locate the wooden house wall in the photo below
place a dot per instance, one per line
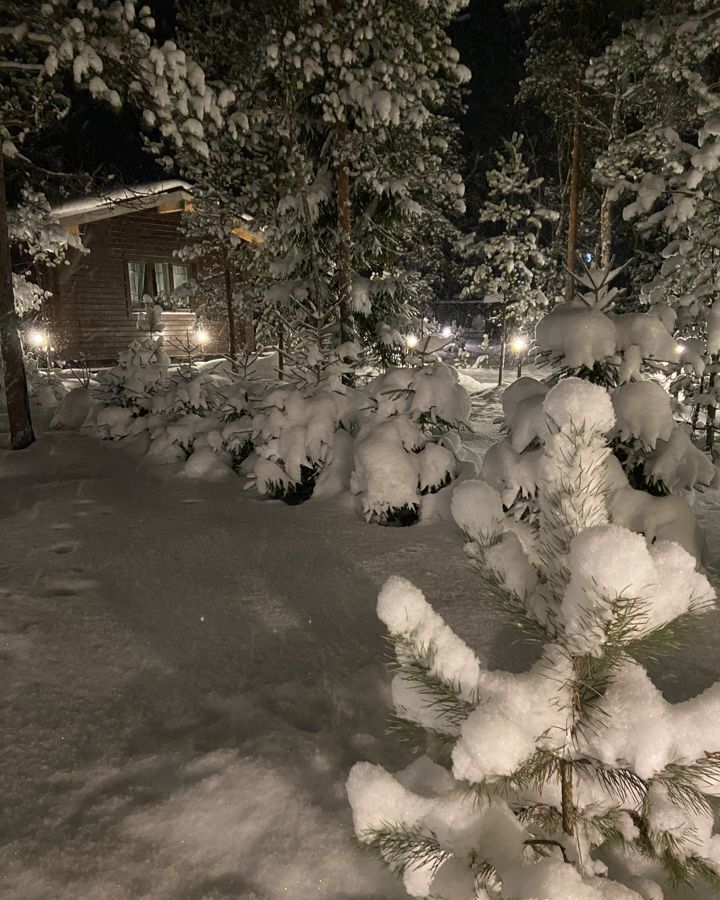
(91, 315)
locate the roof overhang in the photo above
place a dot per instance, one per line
(164, 196)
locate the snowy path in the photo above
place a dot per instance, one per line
(188, 673)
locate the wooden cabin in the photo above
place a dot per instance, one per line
(99, 302)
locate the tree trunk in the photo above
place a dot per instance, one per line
(574, 204)
(710, 423)
(503, 345)
(606, 203)
(605, 230)
(344, 237)
(281, 352)
(16, 393)
(232, 337)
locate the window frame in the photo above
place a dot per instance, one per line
(149, 262)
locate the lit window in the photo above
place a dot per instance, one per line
(161, 281)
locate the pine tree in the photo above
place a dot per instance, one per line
(664, 168)
(344, 151)
(507, 254)
(539, 772)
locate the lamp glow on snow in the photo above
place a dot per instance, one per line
(679, 349)
(447, 331)
(412, 340)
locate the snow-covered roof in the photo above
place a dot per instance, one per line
(123, 200)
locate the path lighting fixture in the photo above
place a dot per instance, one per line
(203, 336)
(447, 331)
(412, 340)
(38, 338)
(519, 344)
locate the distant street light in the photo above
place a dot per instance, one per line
(519, 345)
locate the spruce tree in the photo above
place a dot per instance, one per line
(506, 255)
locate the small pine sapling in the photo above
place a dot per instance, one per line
(544, 777)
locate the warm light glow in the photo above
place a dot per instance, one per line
(203, 336)
(38, 339)
(412, 340)
(519, 344)
(447, 331)
(679, 349)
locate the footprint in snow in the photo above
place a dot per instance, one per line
(67, 587)
(64, 548)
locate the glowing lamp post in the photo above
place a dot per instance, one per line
(40, 340)
(411, 341)
(447, 332)
(202, 336)
(519, 345)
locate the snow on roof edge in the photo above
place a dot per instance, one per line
(138, 196)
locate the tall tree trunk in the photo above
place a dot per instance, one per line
(344, 237)
(232, 337)
(18, 402)
(344, 257)
(281, 352)
(710, 413)
(503, 344)
(605, 229)
(574, 204)
(606, 203)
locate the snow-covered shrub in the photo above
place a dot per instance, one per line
(539, 775)
(44, 385)
(141, 373)
(399, 457)
(586, 338)
(652, 453)
(294, 434)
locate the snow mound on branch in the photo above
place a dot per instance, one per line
(432, 392)
(550, 878)
(575, 403)
(478, 510)
(646, 332)
(529, 424)
(207, 465)
(678, 464)
(514, 394)
(403, 609)
(643, 412)
(512, 716)
(73, 410)
(656, 518)
(378, 798)
(609, 562)
(577, 336)
(511, 473)
(641, 730)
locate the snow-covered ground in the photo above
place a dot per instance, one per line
(189, 671)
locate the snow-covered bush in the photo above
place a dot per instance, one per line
(542, 777)
(587, 338)
(294, 433)
(141, 373)
(651, 453)
(45, 387)
(398, 456)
